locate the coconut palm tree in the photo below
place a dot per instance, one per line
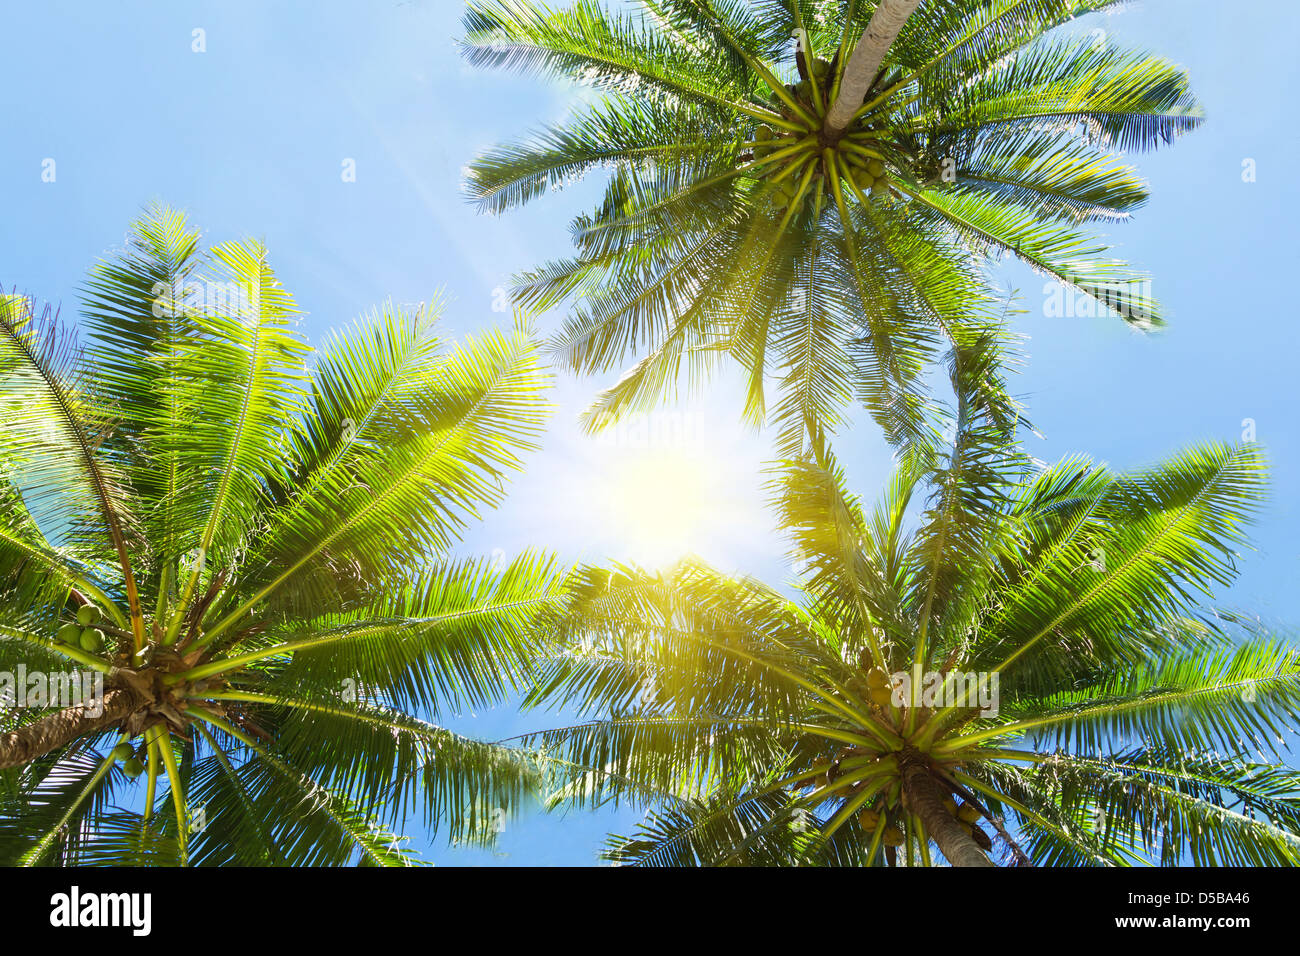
(1001, 660)
(249, 541)
(744, 215)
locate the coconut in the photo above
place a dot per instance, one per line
(68, 634)
(881, 696)
(880, 189)
(821, 68)
(92, 639)
(122, 751)
(876, 677)
(88, 614)
(763, 133)
(893, 835)
(863, 180)
(876, 167)
(133, 767)
(967, 813)
(869, 819)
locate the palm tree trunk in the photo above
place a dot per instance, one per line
(864, 63)
(27, 743)
(925, 799)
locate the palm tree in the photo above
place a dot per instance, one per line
(1020, 660)
(253, 553)
(742, 216)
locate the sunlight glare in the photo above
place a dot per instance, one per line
(662, 504)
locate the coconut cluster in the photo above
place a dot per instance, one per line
(869, 176)
(874, 686)
(796, 161)
(131, 759)
(83, 633)
(968, 816)
(871, 819)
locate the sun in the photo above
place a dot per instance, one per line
(661, 504)
(649, 490)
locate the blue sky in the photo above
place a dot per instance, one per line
(251, 137)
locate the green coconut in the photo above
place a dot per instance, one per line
(88, 614)
(764, 133)
(92, 639)
(876, 167)
(122, 751)
(133, 767)
(821, 68)
(68, 634)
(880, 189)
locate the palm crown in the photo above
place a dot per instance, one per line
(739, 219)
(1025, 650)
(256, 554)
